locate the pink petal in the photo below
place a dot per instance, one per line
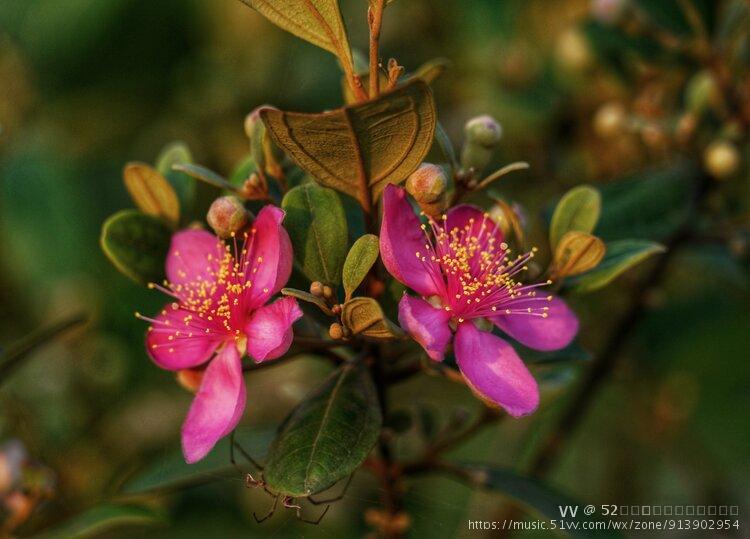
(194, 255)
(177, 340)
(401, 238)
(271, 256)
(494, 371)
(269, 330)
(551, 333)
(426, 324)
(218, 406)
(473, 219)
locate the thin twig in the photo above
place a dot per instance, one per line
(375, 20)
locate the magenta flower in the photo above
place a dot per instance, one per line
(464, 273)
(219, 312)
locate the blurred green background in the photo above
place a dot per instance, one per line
(87, 85)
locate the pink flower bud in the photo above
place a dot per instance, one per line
(483, 130)
(427, 184)
(226, 215)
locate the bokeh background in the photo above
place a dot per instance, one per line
(87, 85)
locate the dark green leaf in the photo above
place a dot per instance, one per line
(136, 244)
(174, 154)
(316, 223)
(668, 14)
(14, 355)
(308, 297)
(621, 256)
(651, 205)
(172, 472)
(105, 517)
(360, 259)
(327, 436)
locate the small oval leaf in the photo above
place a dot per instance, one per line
(308, 297)
(205, 175)
(363, 316)
(577, 210)
(360, 259)
(327, 436)
(136, 244)
(151, 192)
(317, 226)
(360, 149)
(577, 252)
(621, 256)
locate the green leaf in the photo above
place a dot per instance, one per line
(621, 256)
(360, 149)
(649, 205)
(327, 436)
(173, 473)
(308, 297)
(136, 244)
(105, 517)
(577, 210)
(12, 357)
(430, 70)
(205, 175)
(540, 498)
(364, 316)
(151, 192)
(316, 21)
(174, 154)
(360, 259)
(316, 223)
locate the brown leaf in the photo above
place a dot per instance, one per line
(151, 192)
(360, 149)
(577, 252)
(363, 316)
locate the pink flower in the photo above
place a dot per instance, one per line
(219, 312)
(464, 273)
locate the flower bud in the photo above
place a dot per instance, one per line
(427, 184)
(336, 331)
(475, 157)
(226, 215)
(252, 120)
(327, 292)
(316, 289)
(721, 159)
(607, 11)
(610, 120)
(483, 130)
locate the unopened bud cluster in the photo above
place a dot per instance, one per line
(483, 134)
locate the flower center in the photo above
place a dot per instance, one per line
(478, 271)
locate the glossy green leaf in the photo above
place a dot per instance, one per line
(136, 244)
(364, 316)
(359, 149)
(12, 357)
(151, 192)
(172, 472)
(174, 154)
(204, 174)
(650, 205)
(316, 21)
(317, 226)
(106, 517)
(621, 256)
(578, 210)
(533, 494)
(360, 259)
(327, 436)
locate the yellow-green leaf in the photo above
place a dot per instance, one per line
(576, 253)
(363, 316)
(360, 259)
(577, 210)
(151, 192)
(316, 21)
(360, 149)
